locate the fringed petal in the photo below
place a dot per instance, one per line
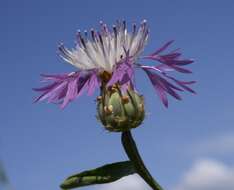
(123, 75)
(170, 61)
(165, 46)
(94, 82)
(162, 86)
(182, 84)
(65, 88)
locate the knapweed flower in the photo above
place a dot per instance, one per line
(107, 59)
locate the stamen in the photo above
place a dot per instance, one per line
(64, 51)
(86, 35)
(105, 29)
(79, 38)
(143, 25)
(115, 30)
(83, 42)
(124, 24)
(103, 49)
(93, 34)
(134, 28)
(144, 22)
(118, 25)
(102, 45)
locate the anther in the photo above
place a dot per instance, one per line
(93, 34)
(115, 30)
(124, 24)
(134, 28)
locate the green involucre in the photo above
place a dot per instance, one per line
(120, 112)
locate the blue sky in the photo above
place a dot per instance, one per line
(41, 144)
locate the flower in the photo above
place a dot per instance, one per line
(109, 57)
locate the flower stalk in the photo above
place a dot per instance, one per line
(134, 156)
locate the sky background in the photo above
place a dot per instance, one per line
(189, 146)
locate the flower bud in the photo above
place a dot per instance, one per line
(120, 112)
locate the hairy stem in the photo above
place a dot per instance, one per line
(134, 156)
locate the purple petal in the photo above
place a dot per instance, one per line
(71, 92)
(93, 83)
(183, 62)
(162, 48)
(164, 81)
(168, 87)
(183, 84)
(187, 88)
(164, 68)
(54, 77)
(180, 69)
(52, 98)
(171, 55)
(89, 82)
(62, 94)
(46, 88)
(122, 74)
(158, 87)
(162, 86)
(52, 91)
(171, 92)
(125, 78)
(66, 87)
(162, 95)
(188, 82)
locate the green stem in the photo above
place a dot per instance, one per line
(133, 154)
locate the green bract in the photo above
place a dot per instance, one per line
(120, 112)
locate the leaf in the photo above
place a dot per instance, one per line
(104, 174)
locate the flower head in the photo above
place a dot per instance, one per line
(109, 57)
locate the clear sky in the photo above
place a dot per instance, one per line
(41, 144)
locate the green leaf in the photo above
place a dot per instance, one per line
(105, 174)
